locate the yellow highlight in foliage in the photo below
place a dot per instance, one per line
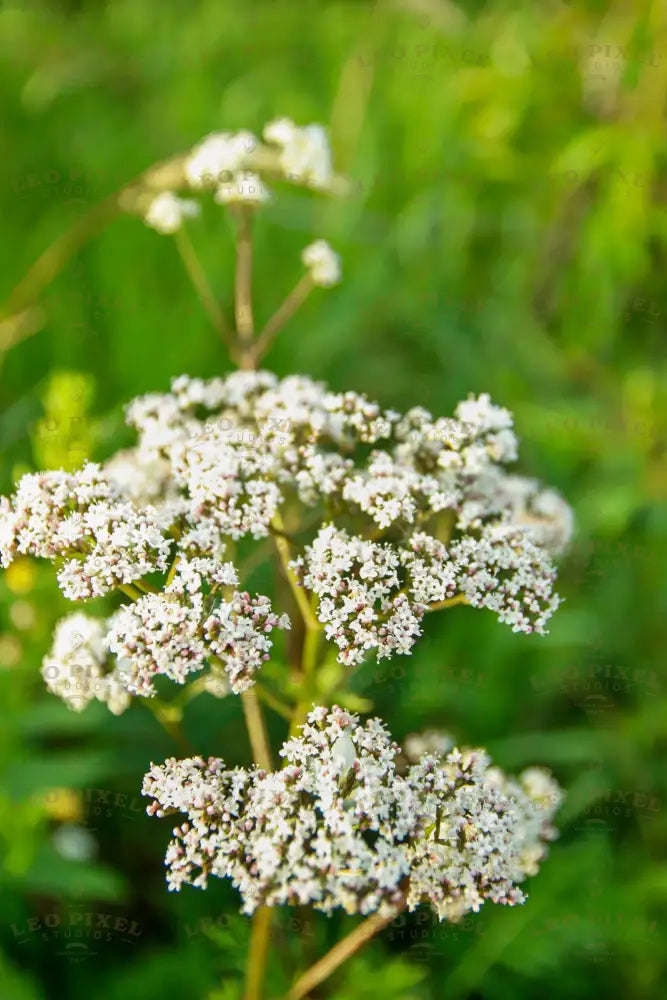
(20, 576)
(63, 804)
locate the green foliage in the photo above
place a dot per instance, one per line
(508, 235)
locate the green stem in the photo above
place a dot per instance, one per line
(449, 603)
(259, 742)
(360, 936)
(201, 285)
(260, 936)
(172, 571)
(311, 641)
(169, 717)
(282, 315)
(270, 699)
(245, 326)
(298, 592)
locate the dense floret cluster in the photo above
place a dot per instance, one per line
(338, 826)
(437, 519)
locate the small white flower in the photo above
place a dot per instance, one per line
(323, 263)
(166, 212)
(217, 156)
(305, 155)
(77, 669)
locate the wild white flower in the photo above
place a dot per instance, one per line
(541, 512)
(220, 458)
(244, 188)
(480, 413)
(77, 668)
(358, 586)
(339, 827)
(431, 741)
(102, 540)
(217, 157)
(179, 631)
(505, 571)
(166, 212)
(305, 156)
(323, 263)
(142, 477)
(484, 834)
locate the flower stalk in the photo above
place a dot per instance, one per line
(340, 953)
(245, 325)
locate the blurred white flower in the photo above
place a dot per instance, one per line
(217, 157)
(74, 842)
(166, 212)
(323, 263)
(305, 156)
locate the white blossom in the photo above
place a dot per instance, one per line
(431, 741)
(436, 517)
(305, 156)
(166, 212)
(322, 263)
(339, 827)
(218, 156)
(179, 631)
(358, 586)
(77, 668)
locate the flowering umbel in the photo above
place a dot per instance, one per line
(338, 826)
(220, 459)
(377, 518)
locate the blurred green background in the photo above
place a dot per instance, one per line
(508, 234)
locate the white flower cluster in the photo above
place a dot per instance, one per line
(166, 212)
(337, 826)
(430, 514)
(322, 263)
(431, 741)
(305, 157)
(231, 165)
(373, 595)
(217, 155)
(82, 521)
(484, 832)
(360, 603)
(175, 633)
(77, 668)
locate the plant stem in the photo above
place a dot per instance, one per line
(311, 625)
(261, 920)
(172, 571)
(308, 662)
(282, 546)
(130, 591)
(201, 285)
(450, 603)
(245, 326)
(270, 699)
(254, 719)
(258, 953)
(339, 954)
(281, 316)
